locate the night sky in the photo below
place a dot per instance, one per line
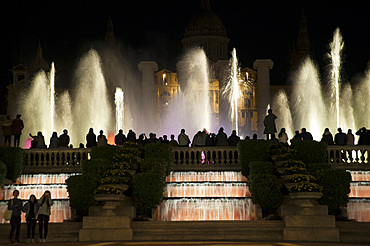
(152, 30)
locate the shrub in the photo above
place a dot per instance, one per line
(109, 189)
(266, 191)
(81, 193)
(280, 149)
(148, 190)
(292, 163)
(313, 168)
(3, 171)
(298, 178)
(160, 152)
(14, 159)
(310, 151)
(103, 152)
(295, 170)
(252, 150)
(95, 169)
(261, 167)
(154, 165)
(305, 187)
(287, 156)
(336, 186)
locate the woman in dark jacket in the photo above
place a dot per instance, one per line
(15, 205)
(31, 208)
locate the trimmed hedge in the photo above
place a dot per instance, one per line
(81, 193)
(313, 168)
(261, 167)
(148, 186)
(148, 190)
(14, 159)
(252, 150)
(310, 151)
(266, 191)
(103, 152)
(160, 151)
(94, 169)
(3, 171)
(336, 187)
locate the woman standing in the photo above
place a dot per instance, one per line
(31, 208)
(15, 205)
(43, 217)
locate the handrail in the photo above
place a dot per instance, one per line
(213, 158)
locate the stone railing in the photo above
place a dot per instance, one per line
(186, 158)
(205, 158)
(64, 160)
(354, 157)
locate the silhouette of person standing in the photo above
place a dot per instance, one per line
(17, 126)
(269, 123)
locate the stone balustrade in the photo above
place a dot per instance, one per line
(62, 160)
(187, 158)
(206, 158)
(355, 157)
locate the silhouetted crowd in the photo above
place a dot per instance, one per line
(201, 138)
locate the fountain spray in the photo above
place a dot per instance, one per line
(232, 90)
(119, 102)
(52, 96)
(336, 47)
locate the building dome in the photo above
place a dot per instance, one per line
(205, 23)
(206, 30)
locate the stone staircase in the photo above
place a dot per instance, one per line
(354, 232)
(207, 230)
(58, 232)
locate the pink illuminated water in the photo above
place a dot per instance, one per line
(37, 184)
(60, 211)
(206, 209)
(192, 196)
(207, 190)
(224, 176)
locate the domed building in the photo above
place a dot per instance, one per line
(205, 30)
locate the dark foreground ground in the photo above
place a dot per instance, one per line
(225, 243)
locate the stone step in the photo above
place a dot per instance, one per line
(209, 230)
(354, 232)
(207, 224)
(58, 232)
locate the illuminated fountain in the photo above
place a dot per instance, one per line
(315, 106)
(37, 184)
(90, 106)
(232, 90)
(120, 108)
(191, 109)
(206, 196)
(358, 206)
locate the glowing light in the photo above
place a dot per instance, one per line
(52, 97)
(336, 49)
(232, 90)
(120, 108)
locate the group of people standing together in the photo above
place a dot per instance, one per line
(35, 210)
(201, 138)
(12, 128)
(340, 137)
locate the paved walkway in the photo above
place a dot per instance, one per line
(225, 243)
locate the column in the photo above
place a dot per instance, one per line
(263, 67)
(148, 103)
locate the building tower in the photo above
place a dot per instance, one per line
(109, 35)
(302, 49)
